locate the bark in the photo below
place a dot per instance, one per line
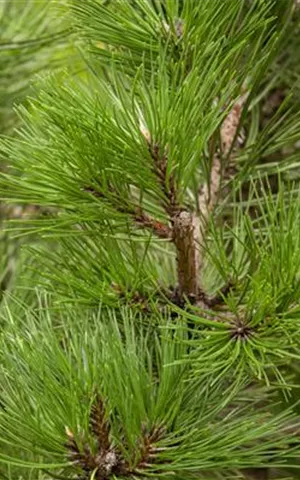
(185, 230)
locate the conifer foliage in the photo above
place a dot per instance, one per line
(165, 338)
(32, 41)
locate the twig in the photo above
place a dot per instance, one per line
(148, 449)
(99, 425)
(141, 218)
(160, 229)
(160, 163)
(107, 460)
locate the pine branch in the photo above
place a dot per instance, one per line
(156, 369)
(148, 449)
(160, 169)
(189, 229)
(185, 228)
(99, 425)
(85, 458)
(108, 460)
(138, 216)
(182, 221)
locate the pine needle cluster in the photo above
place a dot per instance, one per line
(165, 333)
(33, 41)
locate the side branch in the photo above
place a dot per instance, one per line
(159, 229)
(160, 161)
(140, 218)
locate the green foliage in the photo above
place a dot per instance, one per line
(29, 44)
(87, 137)
(34, 40)
(169, 126)
(76, 359)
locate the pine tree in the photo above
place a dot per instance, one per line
(165, 338)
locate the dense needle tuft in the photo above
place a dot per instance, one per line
(154, 329)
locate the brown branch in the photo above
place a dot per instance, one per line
(189, 229)
(107, 460)
(160, 162)
(99, 425)
(148, 449)
(160, 229)
(141, 218)
(184, 224)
